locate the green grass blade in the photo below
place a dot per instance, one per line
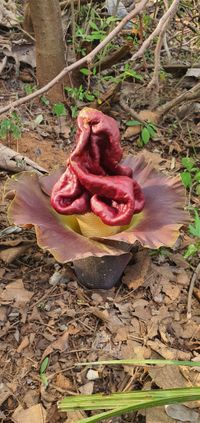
(133, 362)
(125, 399)
(178, 396)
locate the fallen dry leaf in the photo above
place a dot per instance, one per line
(168, 352)
(63, 382)
(157, 415)
(16, 293)
(87, 389)
(10, 250)
(5, 392)
(168, 377)
(60, 344)
(182, 413)
(34, 414)
(135, 273)
(75, 416)
(24, 344)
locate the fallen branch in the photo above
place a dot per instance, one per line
(87, 59)
(167, 15)
(189, 95)
(14, 162)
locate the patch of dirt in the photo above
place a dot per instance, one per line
(45, 152)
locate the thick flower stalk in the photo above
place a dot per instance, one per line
(99, 204)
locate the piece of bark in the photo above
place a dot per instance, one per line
(14, 162)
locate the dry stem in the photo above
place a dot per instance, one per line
(189, 95)
(167, 15)
(192, 283)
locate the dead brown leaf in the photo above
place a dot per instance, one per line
(34, 414)
(5, 392)
(157, 415)
(168, 377)
(24, 344)
(12, 249)
(135, 274)
(75, 416)
(168, 352)
(61, 344)
(16, 293)
(63, 382)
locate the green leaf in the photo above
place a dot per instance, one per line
(186, 179)
(152, 130)
(85, 71)
(191, 250)
(197, 176)
(16, 131)
(94, 26)
(74, 110)
(134, 74)
(188, 163)
(145, 135)
(59, 109)
(197, 189)
(133, 123)
(44, 100)
(44, 365)
(194, 229)
(89, 97)
(124, 402)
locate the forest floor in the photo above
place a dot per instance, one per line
(44, 312)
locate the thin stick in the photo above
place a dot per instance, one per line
(87, 59)
(167, 15)
(190, 292)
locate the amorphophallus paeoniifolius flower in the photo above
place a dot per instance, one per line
(93, 211)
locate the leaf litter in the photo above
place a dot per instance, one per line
(44, 313)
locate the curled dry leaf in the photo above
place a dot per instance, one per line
(16, 293)
(135, 274)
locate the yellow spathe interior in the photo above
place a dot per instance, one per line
(90, 225)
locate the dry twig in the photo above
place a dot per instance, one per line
(154, 83)
(189, 95)
(167, 15)
(190, 292)
(87, 59)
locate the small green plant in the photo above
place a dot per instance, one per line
(194, 230)
(191, 174)
(80, 94)
(126, 73)
(11, 127)
(44, 100)
(148, 131)
(29, 88)
(59, 109)
(43, 368)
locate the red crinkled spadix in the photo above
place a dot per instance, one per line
(94, 180)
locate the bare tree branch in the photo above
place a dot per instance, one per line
(87, 59)
(154, 83)
(14, 162)
(189, 95)
(167, 15)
